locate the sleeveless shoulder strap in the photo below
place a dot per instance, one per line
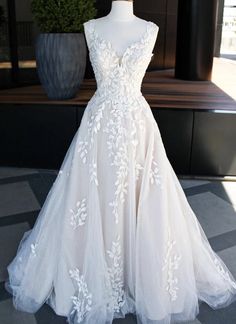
(88, 31)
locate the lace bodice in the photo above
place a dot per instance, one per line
(115, 74)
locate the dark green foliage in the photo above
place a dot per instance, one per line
(62, 16)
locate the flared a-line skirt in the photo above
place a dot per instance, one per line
(116, 233)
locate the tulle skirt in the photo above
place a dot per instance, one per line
(116, 234)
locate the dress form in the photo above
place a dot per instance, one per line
(121, 27)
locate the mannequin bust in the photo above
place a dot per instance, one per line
(120, 27)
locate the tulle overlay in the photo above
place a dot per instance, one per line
(116, 234)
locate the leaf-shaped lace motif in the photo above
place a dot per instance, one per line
(136, 44)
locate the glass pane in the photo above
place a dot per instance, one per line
(5, 62)
(228, 43)
(27, 32)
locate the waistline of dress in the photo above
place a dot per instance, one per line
(122, 94)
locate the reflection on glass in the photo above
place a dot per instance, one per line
(5, 63)
(228, 44)
(26, 33)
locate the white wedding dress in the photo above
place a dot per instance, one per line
(116, 233)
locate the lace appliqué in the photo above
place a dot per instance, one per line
(94, 122)
(223, 272)
(118, 89)
(138, 168)
(33, 249)
(117, 144)
(115, 277)
(82, 301)
(93, 172)
(61, 173)
(83, 150)
(171, 263)
(120, 142)
(154, 174)
(79, 214)
(94, 125)
(137, 52)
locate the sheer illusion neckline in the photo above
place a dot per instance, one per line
(133, 44)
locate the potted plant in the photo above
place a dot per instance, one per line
(60, 48)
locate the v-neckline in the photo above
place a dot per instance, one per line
(120, 58)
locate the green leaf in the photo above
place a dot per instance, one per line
(62, 16)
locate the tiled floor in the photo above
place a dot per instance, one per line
(23, 192)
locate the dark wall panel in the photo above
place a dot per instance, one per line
(176, 132)
(164, 14)
(170, 34)
(35, 136)
(197, 143)
(214, 145)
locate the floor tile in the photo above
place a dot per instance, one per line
(229, 257)
(223, 241)
(9, 315)
(17, 198)
(230, 188)
(194, 322)
(10, 237)
(185, 183)
(215, 214)
(129, 319)
(6, 172)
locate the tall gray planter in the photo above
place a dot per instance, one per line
(61, 61)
